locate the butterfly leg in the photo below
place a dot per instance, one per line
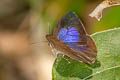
(63, 56)
(53, 50)
(54, 53)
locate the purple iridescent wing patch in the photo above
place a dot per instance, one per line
(70, 36)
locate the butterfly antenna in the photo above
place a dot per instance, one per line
(38, 42)
(48, 28)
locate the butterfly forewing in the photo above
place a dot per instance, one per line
(71, 39)
(70, 20)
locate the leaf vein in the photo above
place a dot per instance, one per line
(101, 71)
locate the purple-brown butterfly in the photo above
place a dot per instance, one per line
(70, 38)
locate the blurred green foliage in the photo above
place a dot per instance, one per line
(52, 10)
(111, 19)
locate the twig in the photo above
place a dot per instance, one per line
(97, 13)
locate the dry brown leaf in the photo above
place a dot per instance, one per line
(97, 13)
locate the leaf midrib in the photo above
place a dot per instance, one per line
(98, 72)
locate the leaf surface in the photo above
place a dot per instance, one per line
(106, 67)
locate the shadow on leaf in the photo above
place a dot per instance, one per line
(67, 67)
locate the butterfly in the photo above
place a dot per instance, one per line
(70, 38)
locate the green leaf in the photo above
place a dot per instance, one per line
(106, 67)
